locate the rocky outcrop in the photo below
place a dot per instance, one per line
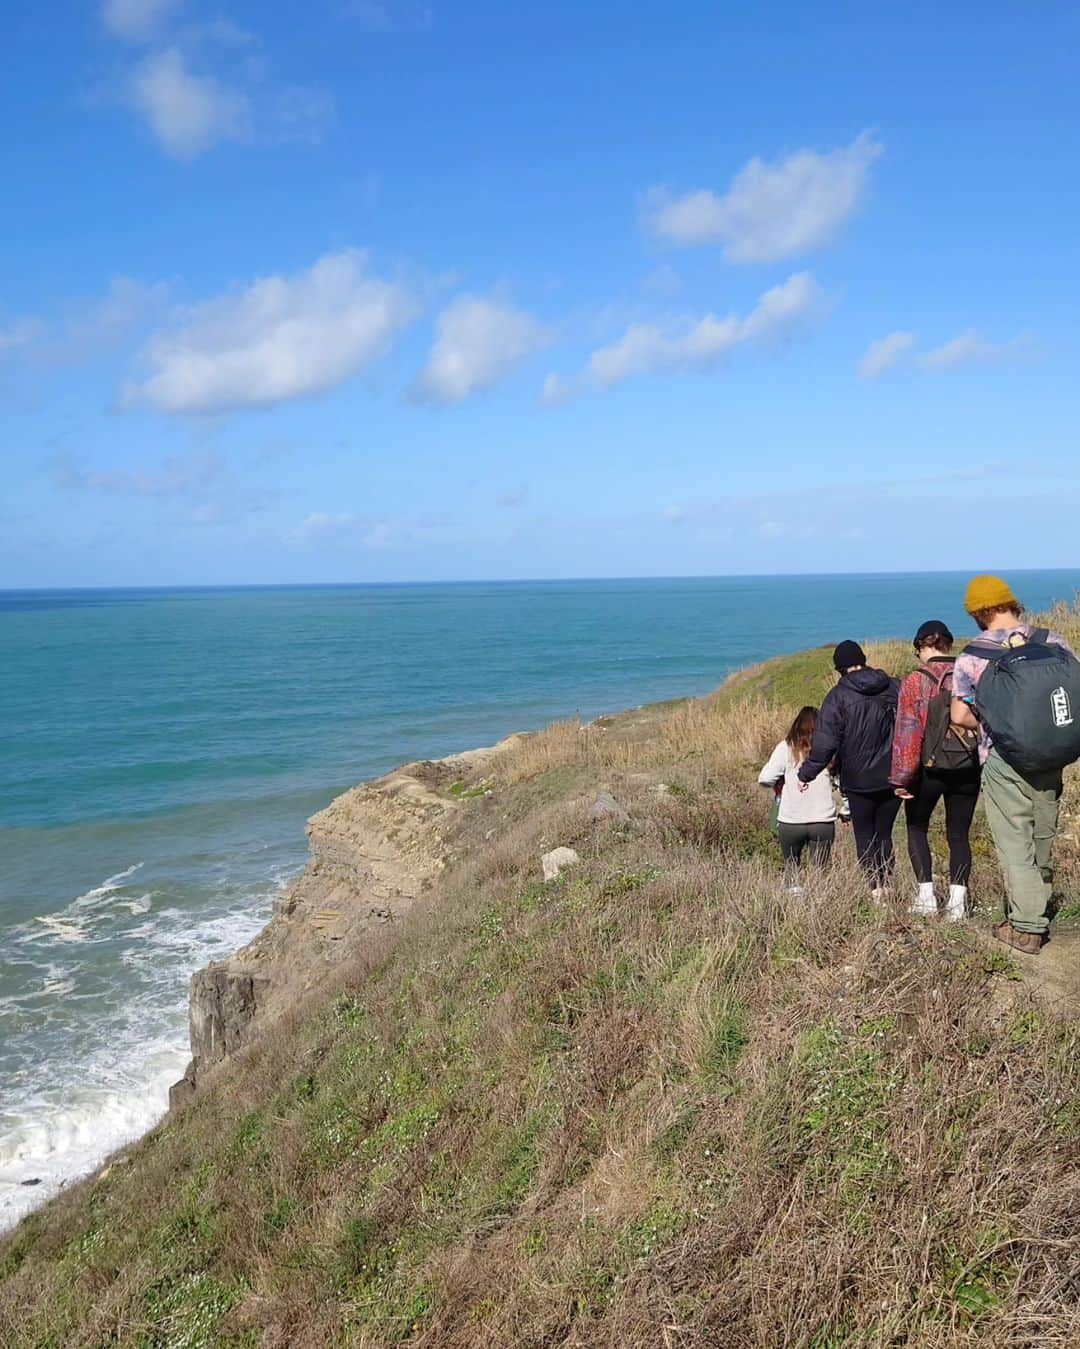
(374, 851)
(605, 807)
(554, 863)
(223, 1001)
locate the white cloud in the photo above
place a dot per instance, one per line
(298, 113)
(662, 283)
(282, 337)
(196, 487)
(967, 348)
(183, 475)
(187, 113)
(103, 323)
(782, 514)
(136, 20)
(477, 343)
(970, 347)
(385, 534)
(20, 334)
(321, 524)
(557, 390)
(885, 352)
(404, 533)
(696, 345)
(344, 528)
(771, 210)
(207, 82)
(90, 327)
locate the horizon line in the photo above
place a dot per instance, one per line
(517, 580)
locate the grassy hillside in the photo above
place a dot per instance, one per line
(654, 1102)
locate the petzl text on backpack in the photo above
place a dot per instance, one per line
(1029, 700)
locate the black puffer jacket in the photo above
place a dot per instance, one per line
(855, 727)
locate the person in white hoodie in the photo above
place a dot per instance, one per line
(807, 814)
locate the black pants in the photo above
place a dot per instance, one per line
(960, 792)
(873, 815)
(815, 840)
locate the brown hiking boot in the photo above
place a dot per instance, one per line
(1028, 942)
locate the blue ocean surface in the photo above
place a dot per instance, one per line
(160, 751)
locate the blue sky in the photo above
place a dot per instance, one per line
(381, 290)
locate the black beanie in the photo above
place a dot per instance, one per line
(931, 629)
(848, 654)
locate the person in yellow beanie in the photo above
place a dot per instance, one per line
(988, 596)
(1021, 808)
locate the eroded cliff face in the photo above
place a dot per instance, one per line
(374, 851)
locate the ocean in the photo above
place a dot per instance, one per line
(160, 751)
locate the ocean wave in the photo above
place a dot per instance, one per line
(64, 929)
(106, 888)
(90, 1064)
(49, 1141)
(89, 917)
(57, 987)
(140, 904)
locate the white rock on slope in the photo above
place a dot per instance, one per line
(553, 862)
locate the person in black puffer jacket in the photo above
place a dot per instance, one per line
(855, 730)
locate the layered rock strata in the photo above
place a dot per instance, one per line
(374, 851)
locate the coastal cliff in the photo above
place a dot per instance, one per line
(539, 1051)
(375, 851)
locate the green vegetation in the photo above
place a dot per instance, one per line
(464, 791)
(654, 1102)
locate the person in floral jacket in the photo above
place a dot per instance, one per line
(921, 787)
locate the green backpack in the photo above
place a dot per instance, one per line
(1028, 697)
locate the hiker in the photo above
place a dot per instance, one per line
(806, 820)
(934, 760)
(1019, 687)
(855, 728)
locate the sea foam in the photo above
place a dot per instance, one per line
(62, 1115)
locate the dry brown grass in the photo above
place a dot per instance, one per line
(656, 1103)
(563, 742)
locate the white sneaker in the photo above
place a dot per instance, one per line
(956, 908)
(925, 902)
(796, 892)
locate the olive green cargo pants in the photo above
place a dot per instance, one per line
(1023, 817)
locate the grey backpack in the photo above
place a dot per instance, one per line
(1029, 699)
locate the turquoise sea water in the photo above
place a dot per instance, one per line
(161, 750)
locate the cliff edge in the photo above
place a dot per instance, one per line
(375, 851)
(650, 1100)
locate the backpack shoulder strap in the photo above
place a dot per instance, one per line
(995, 651)
(991, 651)
(938, 680)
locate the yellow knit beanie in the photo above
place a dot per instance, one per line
(988, 592)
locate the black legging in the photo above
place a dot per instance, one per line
(815, 840)
(873, 815)
(961, 793)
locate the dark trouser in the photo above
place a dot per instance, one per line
(873, 815)
(960, 792)
(815, 840)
